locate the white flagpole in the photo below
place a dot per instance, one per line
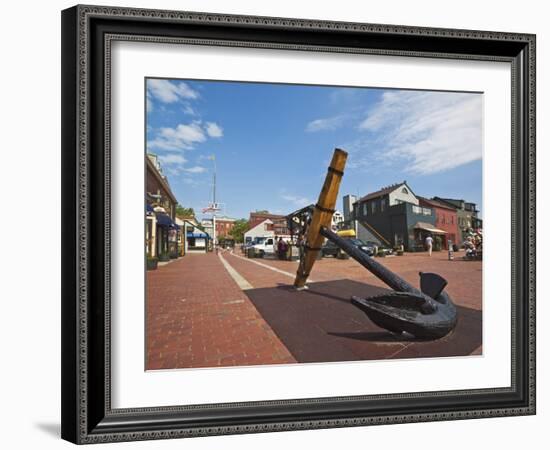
(213, 157)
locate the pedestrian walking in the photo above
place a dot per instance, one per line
(429, 244)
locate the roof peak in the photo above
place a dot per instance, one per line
(383, 191)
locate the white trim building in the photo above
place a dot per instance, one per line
(263, 229)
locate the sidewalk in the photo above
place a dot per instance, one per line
(197, 316)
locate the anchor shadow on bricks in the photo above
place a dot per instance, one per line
(321, 325)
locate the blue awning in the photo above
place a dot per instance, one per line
(164, 220)
(197, 235)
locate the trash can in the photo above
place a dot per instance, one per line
(250, 252)
(293, 253)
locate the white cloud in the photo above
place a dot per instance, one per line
(163, 144)
(195, 169)
(189, 133)
(188, 109)
(214, 130)
(174, 164)
(168, 91)
(297, 200)
(327, 124)
(429, 131)
(184, 136)
(172, 158)
(181, 137)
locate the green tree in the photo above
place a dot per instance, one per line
(262, 211)
(184, 212)
(239, 228)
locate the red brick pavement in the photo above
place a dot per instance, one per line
(198, 317)
(258, 276)
(464, 277)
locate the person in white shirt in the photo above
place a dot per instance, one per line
(429, 244)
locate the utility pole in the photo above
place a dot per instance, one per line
(214, 205)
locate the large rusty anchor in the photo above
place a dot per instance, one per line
(428, 313)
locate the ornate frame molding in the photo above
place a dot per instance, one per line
(85, 421)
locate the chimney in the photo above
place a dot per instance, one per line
(349, 200)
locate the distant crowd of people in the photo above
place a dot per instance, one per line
(474, 244)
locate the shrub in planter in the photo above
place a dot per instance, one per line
(381, 253)
(437, 244)
(152, 263)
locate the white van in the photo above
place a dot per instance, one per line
(266, 246)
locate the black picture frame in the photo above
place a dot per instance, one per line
(87, 416)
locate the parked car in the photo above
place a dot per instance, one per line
(331, 249)
(376, 248)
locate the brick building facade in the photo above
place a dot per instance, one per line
(224, 225)
(446, 219)
(279, 226)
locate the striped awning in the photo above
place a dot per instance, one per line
(428, 227)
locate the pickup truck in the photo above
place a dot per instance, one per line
(265, 247)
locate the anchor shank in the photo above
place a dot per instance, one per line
(393, 280)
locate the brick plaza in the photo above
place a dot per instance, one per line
(200, 313)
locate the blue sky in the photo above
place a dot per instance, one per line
(272, 142)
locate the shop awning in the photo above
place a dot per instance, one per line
(164, 220)
(197, 235)
(428, 227)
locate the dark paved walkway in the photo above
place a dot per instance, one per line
(320, 323)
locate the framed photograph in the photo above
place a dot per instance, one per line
(279, 224)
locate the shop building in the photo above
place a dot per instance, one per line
(279, 223)
(161, 230)
(394, 216)
(224, 225)
(260, 230)
(446, 219)
(467, 215)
